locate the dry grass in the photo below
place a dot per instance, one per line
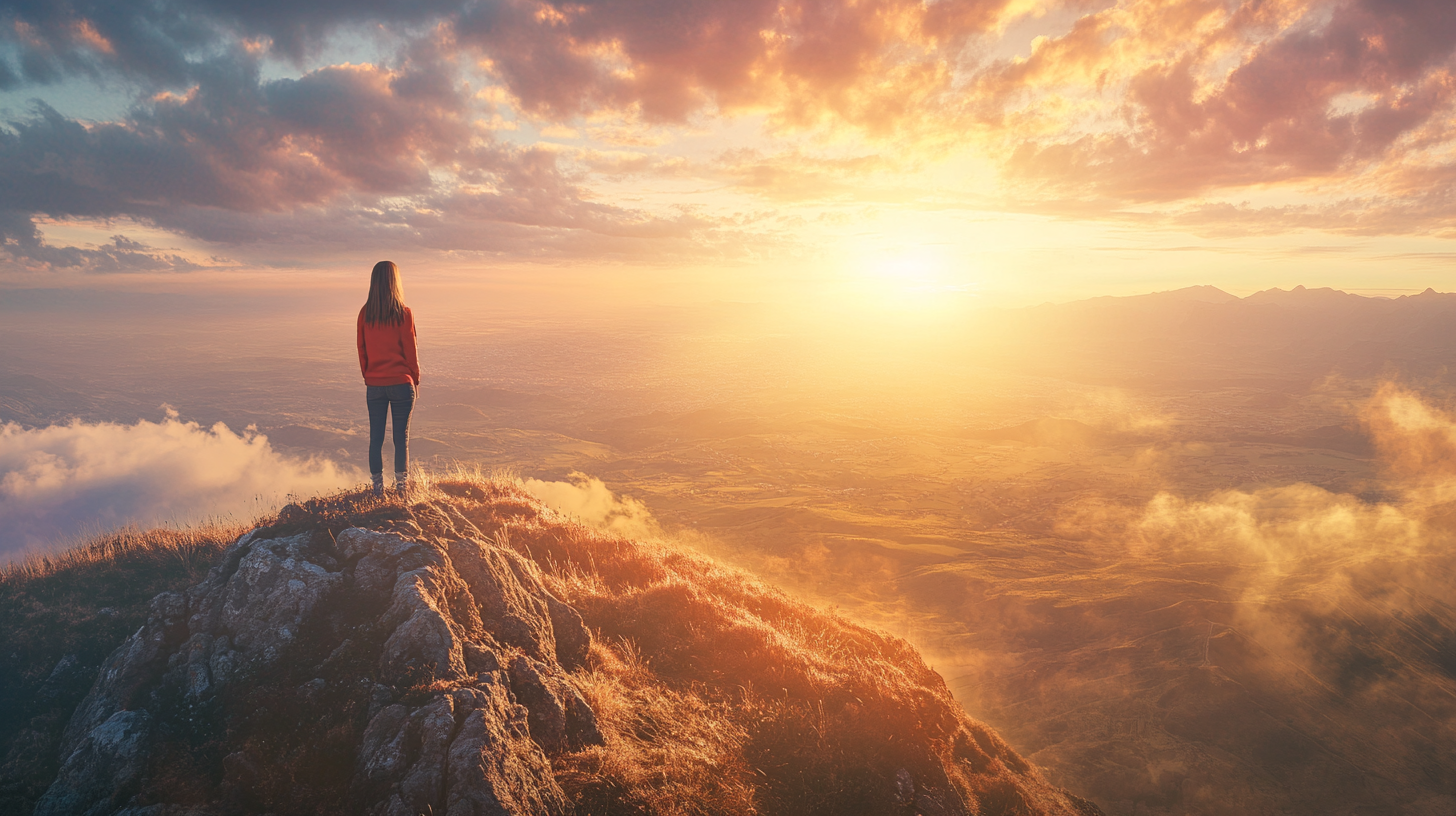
(127, 548)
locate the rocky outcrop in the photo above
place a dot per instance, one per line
(365, 657)
(408, 672)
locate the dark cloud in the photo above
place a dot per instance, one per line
(526, 209)
(163, 41)
(237, 144)
(8, 78)
(120, 255)
(671, 57)
(345, 153)
(23, 244)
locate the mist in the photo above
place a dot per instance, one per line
(589, 500)
(1187, 553)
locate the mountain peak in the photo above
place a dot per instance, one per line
(472, 652)
(1303, 297)
(1204, 294)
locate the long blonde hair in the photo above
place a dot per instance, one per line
(386, 296)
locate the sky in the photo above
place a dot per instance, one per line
(1013, 151)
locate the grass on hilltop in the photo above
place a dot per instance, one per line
(715, 693)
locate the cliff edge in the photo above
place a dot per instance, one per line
(472, 652)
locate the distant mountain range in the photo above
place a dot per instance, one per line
(1204, 333)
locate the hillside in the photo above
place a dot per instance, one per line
(469, 653)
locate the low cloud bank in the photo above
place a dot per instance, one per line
(1295, 528)
(1331, 608)
(65, 481)
(590, 500)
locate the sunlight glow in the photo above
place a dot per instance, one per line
(908, 276)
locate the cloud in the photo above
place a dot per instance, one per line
(869, 62)
(63, 481)
(25, 245)
(1302, 632)
(1174, 105)
(1417, 446)
(1210, 96)
(590, 500)
(866, 61)
(236, 142)
(342, 155)
(1298, 527)
(1298, 562)
(162, 42)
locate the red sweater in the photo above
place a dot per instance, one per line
(387, 353)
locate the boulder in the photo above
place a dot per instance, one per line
(560, 718)
(98, 775)
(450, 647)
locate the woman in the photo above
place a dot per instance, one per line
(391, 370)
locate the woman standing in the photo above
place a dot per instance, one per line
(391, 370)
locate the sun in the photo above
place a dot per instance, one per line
(910, 271)
(908, 278)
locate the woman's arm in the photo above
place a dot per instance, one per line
(363, 354)
(411, 356)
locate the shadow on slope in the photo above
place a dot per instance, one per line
(59, 618)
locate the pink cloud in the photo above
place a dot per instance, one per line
(677, 58)
(1272, 118)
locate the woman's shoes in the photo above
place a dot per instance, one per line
(401, 484)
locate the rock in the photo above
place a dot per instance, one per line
(512, 598)
(473, 745)
(275, 588)
(198, 653)
(485, 780)
(311, 690)
(480, 660)
(253, 612)
(547, 719)
(424, 646)
(407, 630)
(241, 772)
(101, 769)
(464, 527)
(292, 514)
(382, 754)
(380, 696)
(68, 671)
(432, 727)
(130, 671)
(904, 787)
(573, 639)
(440, 522)
(560, 718)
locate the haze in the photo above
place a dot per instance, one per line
(1191, 552)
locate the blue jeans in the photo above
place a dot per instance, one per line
(383, 398)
